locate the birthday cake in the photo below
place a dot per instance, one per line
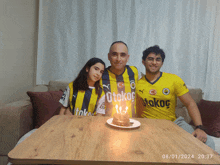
(121, 119)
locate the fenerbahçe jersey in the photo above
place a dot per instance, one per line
(82, 103)
(158, 99)
(120, 90)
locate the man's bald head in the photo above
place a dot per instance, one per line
(116, 43)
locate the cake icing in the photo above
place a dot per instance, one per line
(121, 119)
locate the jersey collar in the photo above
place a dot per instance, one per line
(115, 74)
(155, 80)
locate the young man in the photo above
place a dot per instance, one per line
(119, 81)
(157, 92)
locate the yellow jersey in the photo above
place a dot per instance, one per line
(157, 100)
(120, 90)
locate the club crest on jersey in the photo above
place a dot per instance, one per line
(166, 91)
(121, 84)
(132, 84)
(152, 92)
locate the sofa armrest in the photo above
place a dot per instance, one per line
(195, 93)
(181, 110)
(184, 113)
(15, 120)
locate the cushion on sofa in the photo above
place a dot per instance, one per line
(210, 114)
(196, 94)
(184, 113)
(57, 85)
(45, 105)
(11, 125)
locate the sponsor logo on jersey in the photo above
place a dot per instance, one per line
(106, 86)
(166, 91)
(132, 84)
(157, 103)
(152, 92)
(185, 85)
(102, 105)
(83, 112)
(120, 96)
(121, 84)
(142, 91)
(63, 97)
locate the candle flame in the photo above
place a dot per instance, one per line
(116, 107)
(126, 109)
(120, 109)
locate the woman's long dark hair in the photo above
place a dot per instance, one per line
(80, 83)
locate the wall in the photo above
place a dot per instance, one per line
(18, 46)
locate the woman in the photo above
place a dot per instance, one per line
(82, 95)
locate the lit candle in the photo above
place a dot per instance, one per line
(126, 109)
(116, 107)
(120, 109)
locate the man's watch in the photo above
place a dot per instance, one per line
(200, 127)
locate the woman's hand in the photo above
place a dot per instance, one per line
(65, 111)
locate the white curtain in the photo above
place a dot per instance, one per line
(73, 31)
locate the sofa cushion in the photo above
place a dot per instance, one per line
(196, 94)
(57, 85)
(13, 125)
(45, 105)
(184, 113)
(210, 114)
(3, 160)
(39, 88)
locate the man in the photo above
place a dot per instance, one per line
(157, 92)
(119, 81)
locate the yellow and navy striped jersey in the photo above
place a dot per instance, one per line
(158, 99)
(120, 90)
(82, 103)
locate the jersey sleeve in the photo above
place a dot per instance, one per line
(140, 75)
(64, 100)
(180, 86)
(136, 73)
(101, 105)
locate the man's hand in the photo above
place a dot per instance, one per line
(200, 134)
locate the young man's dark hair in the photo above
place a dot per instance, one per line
(154, 49)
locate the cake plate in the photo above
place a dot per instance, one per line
(134, 124)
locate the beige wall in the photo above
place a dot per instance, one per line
(18, 45)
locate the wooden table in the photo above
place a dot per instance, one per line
(90, 140)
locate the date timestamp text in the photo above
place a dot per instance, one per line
(187, 156)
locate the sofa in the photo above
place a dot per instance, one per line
(18, 118)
